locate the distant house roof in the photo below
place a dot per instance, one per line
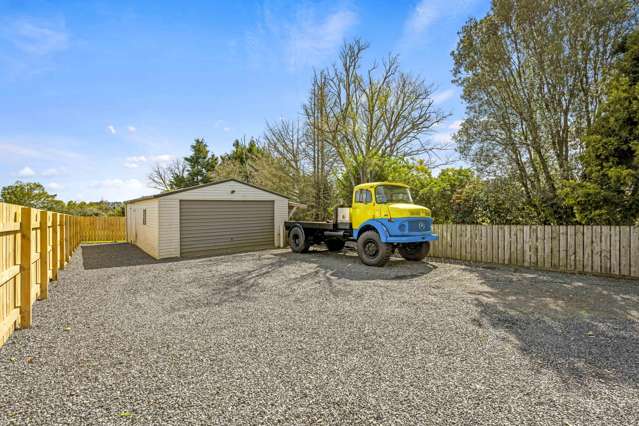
(176, 191)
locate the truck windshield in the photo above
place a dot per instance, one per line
(385, 194)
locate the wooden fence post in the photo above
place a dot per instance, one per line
(25, 268)
(44, 254)
(67, 238)
(55, 246)
(61, 233)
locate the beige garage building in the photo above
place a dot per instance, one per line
(220, 217)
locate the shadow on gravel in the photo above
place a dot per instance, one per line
(99, 256)
(346, 265)
(583, 327)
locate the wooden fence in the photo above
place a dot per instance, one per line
(607, 250)
(100, 228)
(34, 246)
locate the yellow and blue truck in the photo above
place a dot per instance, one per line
(382, 218)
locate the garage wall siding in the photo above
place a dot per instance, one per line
(147, 235)
(169, 243)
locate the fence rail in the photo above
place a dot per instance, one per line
(608, 250)
(34, 246)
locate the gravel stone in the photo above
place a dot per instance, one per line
(276, 337)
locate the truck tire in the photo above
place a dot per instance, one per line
(297, 240)
(414, 252)
(335, 244)
(371, 250)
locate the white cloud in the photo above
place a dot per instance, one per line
(226, 129)
(111, 129)
(116, 183)
(443, 96)
(15, 149)
(116, 189)
(40, 147)
(36, 37)
(311, 39)
(26, 171)
(163, 158)
(428, 13)
(136, 161)
(304, 36)
(54, 186)
(131, 129)
(51, 172)
(424, 14)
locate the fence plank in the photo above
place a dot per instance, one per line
(514, 245)
(478, 243)
(605, 249)
(539, 246)
(55, 246)
(533, 246)
(555, 253)
(570, 248)
(624, 251)
(634, 250)
(614, 250)
(596, 249)
(44, 254)
(579, 248)
(588, 248)
(563, 247)
(25, 268)
(505, 242)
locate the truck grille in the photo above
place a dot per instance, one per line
(414, 225)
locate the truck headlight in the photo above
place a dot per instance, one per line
(402, 227)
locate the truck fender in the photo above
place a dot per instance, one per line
(377, 225)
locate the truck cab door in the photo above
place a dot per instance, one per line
(363, 208)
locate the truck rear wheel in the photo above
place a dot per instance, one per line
(335, 244)
(298, 240)
(417, 251)
(371, 250)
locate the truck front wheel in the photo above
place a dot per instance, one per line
(371, 250)
(298, 240)
(417, 251)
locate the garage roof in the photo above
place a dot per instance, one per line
(176, 191)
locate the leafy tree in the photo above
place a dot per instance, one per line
(240, 162)
(196, 169)
(608, 193)
(95, 208)
(439, 192)
(532, 75)
(31, 194)
(200, 164)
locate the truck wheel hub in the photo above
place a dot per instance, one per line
(370, 248)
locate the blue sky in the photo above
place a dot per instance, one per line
(92, 93)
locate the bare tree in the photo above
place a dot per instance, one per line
(168, 177)
(381, 112)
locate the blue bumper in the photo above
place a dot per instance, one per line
(404, 230)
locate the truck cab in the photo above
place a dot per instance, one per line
(382, 218)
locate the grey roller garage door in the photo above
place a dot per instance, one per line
(213, 227)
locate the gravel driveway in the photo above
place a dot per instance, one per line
(274, 336)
